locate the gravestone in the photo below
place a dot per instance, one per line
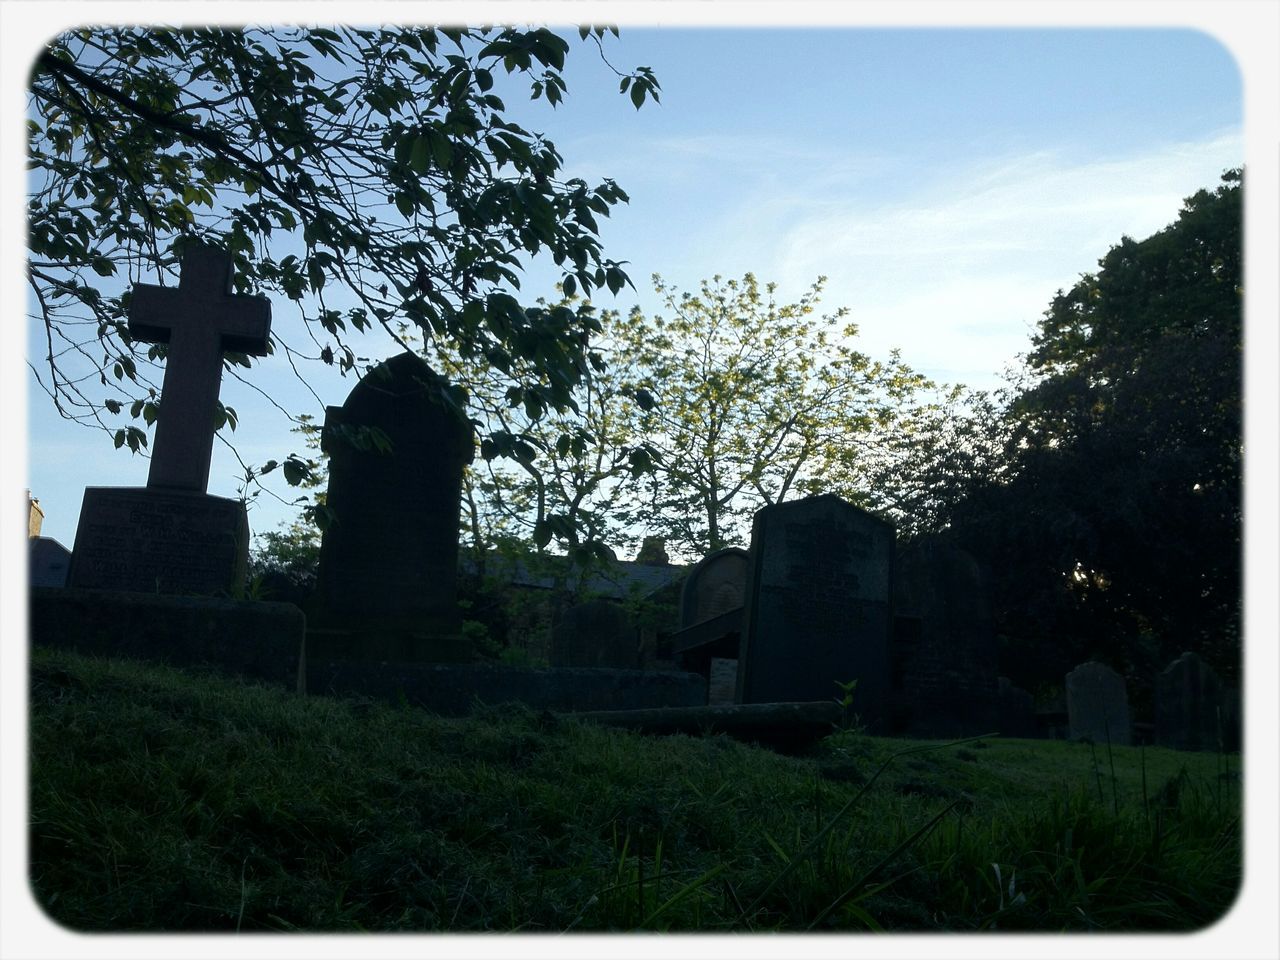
(722, 681)
(386, 587)
(596, 633)
(945, 653)
(1016, 711)
(818, 606)
(1097, 705)
(171, 537)
(711, 610)
(1190, 705)
(716, 585)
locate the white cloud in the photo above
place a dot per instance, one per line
(958, 271)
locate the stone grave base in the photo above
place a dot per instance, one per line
(387, 643)
(453, 689)
(252, 639)
(144, 540)
(787, 726)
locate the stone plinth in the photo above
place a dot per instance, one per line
(155, 541)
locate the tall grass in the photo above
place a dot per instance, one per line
(163, 800)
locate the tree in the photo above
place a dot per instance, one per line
(745, 402)
(1115, 528)
(372, 177)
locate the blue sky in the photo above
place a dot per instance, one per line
(946, 181)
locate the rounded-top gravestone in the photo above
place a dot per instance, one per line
(716, 585)
(387, 581)
(1097, 705)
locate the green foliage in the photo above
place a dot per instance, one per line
(1106, 494)
(371, 176)
(165, 801)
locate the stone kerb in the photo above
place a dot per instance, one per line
(818, 608)
(1097, 705)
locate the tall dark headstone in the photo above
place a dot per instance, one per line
(387, 582)
(818, 606)
(171, 537)
(1097, 705)
(945, 653)
(1190, 706)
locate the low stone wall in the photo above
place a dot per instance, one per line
(452, 689)
(253, 639)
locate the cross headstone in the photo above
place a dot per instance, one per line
(1097, 705)
(386, 587)
(200, 320)
(171, 537)
(818, 606)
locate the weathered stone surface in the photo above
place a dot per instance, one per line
(945, 653)
(1190, 706)
(387, 581)
(818, 606)
(596, 633)
(454, 689)
(1097, 705)
(160, 541)
(261, 641)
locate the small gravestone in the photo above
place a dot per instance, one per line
(596, 633)
(172, 537)
(945, 649)
(818, 606)
(386, 587)
(1097, 705)
(1016, 711)
(722, 681)
(1190, 705)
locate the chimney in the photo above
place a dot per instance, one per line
(35, 516)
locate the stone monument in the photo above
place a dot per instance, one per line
(171, 537)
(386, 587)
(1190, 706)
(945, 651)
(1097, 705)
(818, 606)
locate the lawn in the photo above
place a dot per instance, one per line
(164, 800)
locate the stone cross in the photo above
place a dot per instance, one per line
(200, 320)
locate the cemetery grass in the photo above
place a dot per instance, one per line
(164, 800)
